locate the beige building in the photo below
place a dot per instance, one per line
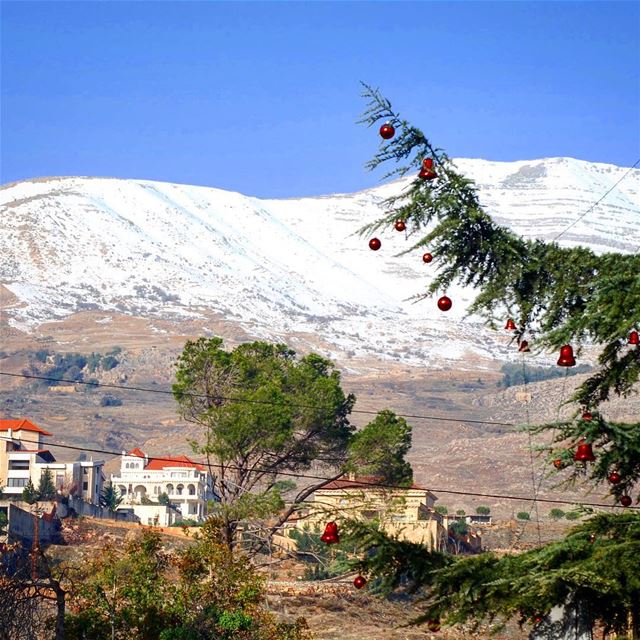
(407, 512)
(24, 457)
(143, 479)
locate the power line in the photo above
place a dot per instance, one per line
(597, 202)
(247, 400)
(382, 485)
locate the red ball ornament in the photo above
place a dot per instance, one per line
(387, 131)
(557, 463)
(400, 225)
(614, 477)
(587, 416)
(427, 257)
(566, 358)
(374, 244)
(511, 325)
(626, 501)
(427, 164)
(444, 303)
(359, 582)
(634, 338)
(433, 625)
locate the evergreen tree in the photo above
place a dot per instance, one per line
(110, 497)
(559, 296)
(29, 494)
(46, 486)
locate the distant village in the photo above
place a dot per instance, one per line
(164, 491)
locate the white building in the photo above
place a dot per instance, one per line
(24, 457)
(143, 479)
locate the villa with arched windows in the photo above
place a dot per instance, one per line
(143, 480)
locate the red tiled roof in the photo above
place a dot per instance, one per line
(364, 482)
(24, 425)
(166, 462)
(137, 452)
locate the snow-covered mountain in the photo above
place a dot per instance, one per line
(282, 267)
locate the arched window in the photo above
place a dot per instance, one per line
(180, 489)
(169, 489)
(122, 490)
(192, 490)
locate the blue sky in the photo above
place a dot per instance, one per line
(262, 97)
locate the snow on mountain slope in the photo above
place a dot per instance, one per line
(283, 266)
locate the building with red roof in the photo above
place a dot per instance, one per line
(143, 479)
(24, 456)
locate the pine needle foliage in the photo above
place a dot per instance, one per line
(557, 295)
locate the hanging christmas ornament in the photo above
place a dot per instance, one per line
(614, 477)
(584, 453)
(359, 582)
(427, 174)
(444, 303)
(537, 619)
(433, 625)
(400, 225)
(510, 326)
(634, 338)
(374, 244)
(557, 463)
(387, 131)
(427, 164)
(330, 535)
(566, 358)
(427, 257)
(592, 538)
(626, 501)
(587, 416)
(524, 347)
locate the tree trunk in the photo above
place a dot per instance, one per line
(60, 605)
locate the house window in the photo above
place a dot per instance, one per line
(18, 465)
(85, 471)
(17, 482)
(85, 486)
(192, 490)
(179, 489)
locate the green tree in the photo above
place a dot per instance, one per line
(266, 412)
(29, 494)
(110, 497)
(163, 498)
(203, 591)
(556, 514)
(523, 515)
(460, 512)
(483, 511)
(572, 515)
(46, 486)
(569, 296)
(441, 509)
(380, 449)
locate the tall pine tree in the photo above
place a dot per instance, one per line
(558, 296)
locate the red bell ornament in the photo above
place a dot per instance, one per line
(444, 303)
(427, 164)
(511, 325)
(400, 225)
(557, 463)
(587, 416)
(566, 358)
(626, 501)
(614, 477)
(427, 257)
(634, 338)
(584, 453)
(330, 535)
(427, 174)
(359, 582)
(524, 347)
(433, 625)
(387, 131)
(374, 244)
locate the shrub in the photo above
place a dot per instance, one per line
(483, 511)
(556, 514)
(572, 515)
(523, 515)
(109, 362)
(441, 509)
(108, 400)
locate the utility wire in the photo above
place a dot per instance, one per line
(597, 202)
(382, 485)
(246, 400)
